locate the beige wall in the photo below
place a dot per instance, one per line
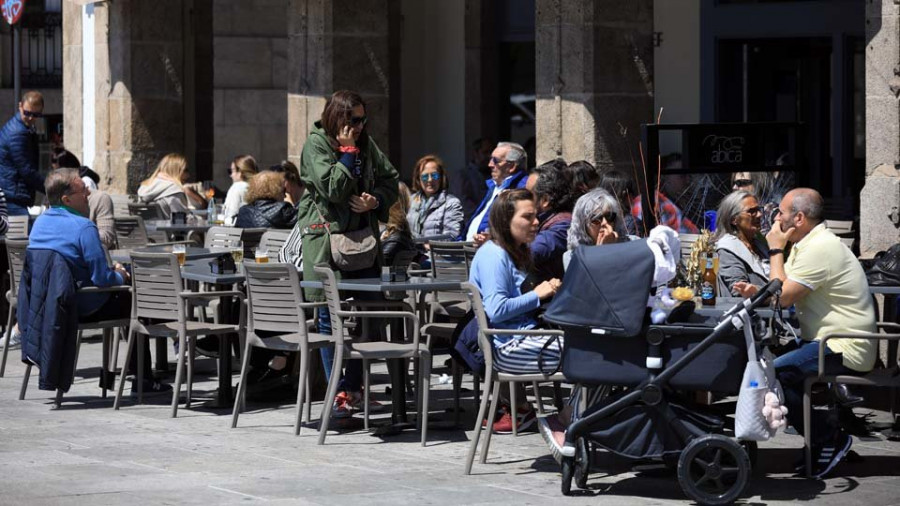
(676, 64)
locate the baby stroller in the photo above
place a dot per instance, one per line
(609, 341)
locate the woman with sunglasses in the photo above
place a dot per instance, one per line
(743, 252)
(350, 185)
(597, 219)
(432, 210)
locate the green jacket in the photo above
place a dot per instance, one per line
(329, 185)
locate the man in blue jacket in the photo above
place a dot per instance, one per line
(20, 177)
(508, 164)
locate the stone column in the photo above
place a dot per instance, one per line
(335, 45)
(594, 80)
(880, 198)
(139, 86)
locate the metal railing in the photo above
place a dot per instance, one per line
(42, 53)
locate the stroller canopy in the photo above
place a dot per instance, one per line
(606, 288)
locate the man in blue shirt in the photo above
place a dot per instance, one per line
(508, 163)
(19, 171)
(66, 229)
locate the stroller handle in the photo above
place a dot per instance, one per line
(768, 290)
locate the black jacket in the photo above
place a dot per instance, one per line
(266, 213)
(48, 317)
(396, 243)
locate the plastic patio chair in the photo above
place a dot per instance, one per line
(15, 251)
(158, 293)
(276, 306)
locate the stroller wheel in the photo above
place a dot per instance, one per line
(568, 471)
(582, 464)
(713, 470)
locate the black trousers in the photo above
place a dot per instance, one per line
(118, 306)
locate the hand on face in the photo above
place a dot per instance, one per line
(606, 234)
(778, 238)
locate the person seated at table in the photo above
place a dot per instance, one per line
(596, 219)
(65, 228)
(743, 252)
(266, 207)
(100, 203)
(293, 186)
(585, 177)
(499, 270)
(243, 168)
(164, 187)
(621, 187)
(552, 186)
(396, 237)
(433, 211)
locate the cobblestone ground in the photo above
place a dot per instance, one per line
(86, 453)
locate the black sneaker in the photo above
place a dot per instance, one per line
(826, 457)
(151, 387)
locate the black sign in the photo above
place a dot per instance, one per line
(724, 147)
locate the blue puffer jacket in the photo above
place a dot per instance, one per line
(20, 176)
(48, 317)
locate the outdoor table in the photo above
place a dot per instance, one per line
(198, 225)
(398, 373)
(191, 253)
(198, 270)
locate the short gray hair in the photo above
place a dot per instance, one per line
(731, 206)
(588, 205)
(59, 183)
(810, 203)
(516, 154)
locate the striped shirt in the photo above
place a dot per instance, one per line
(4, 216)
(291, 252)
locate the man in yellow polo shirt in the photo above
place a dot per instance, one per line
(828, 286)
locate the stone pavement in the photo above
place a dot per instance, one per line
(86, 453)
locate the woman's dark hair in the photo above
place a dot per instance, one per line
(584, 177)
(554, 181)
(620, 186)
(64, 159)
(420, 166)
(338, 110)
(289, 170)
(502, 212)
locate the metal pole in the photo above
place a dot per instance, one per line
(17, 63)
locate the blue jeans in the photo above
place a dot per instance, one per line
(353, 373)
(792, 369)
(15, 209)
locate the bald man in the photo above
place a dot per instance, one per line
(825, 281)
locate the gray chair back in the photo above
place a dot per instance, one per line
(274, 297)
(15, 251)
(156, 283)
(147, 211)
(333, 298)
(481, 317)
(18, 226)
(130, 232)
(449, 260)
(222, 237)
(273, 240)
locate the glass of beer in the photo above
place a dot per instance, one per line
(180, 253)
(262, 255)
(237, 254)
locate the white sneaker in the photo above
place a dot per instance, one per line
(15, 341)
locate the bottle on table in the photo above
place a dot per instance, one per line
(708, 284)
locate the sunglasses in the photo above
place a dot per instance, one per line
(742, 183)
(598, 218)
(434, 176)
(32, 114)
(497, 161)
(358, 120)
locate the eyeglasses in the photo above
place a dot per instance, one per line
(598, 218)
(753, 210)
(434, 176)
(32, 114)
(742, 183)
(358, 120)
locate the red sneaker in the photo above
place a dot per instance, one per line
(524, 419)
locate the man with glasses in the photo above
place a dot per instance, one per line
(508, 163)
(828, 286)
(20, 177)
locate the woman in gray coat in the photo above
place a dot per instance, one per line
(743, 252)
(432, 210)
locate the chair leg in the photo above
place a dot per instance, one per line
(58, 401)
(104, 364)
(807, 425)
(455, 371)
(537, 397)
(308, 397)
(302, 388)
(513, 407)
(490, 428)
(140, 367)
(482, 412)
(129, 349)
(192, 352)
(366, 370)
(425, 357)
(242, 388)
(330, 393)
(476, 387)
(8, 334)
(25, 382)
(179, 373)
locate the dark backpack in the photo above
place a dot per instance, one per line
(885, 271)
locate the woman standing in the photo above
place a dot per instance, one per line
(743, 251)
(243, 168)
(351, 185)
(432, 210)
